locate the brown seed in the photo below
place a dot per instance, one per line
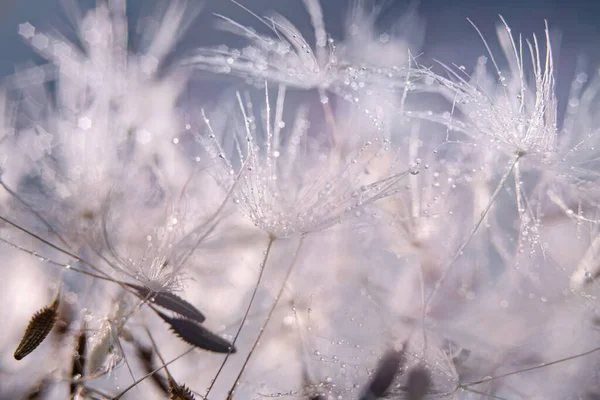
(384, 374)
(419, 383)
(38, 328)
(78, 368)
(179, 392)
(196, 334)
(170, 301)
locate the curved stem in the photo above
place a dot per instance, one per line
(213, 220)
(262, 269)
(262, 329)
(34, 212)
(484, 213)
(548, 364)
(55, 247)
(134, 384)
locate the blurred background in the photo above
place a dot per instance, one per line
(577, 22)
(439, 28)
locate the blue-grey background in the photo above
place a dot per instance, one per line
(448, 35)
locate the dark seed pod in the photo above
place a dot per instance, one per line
(197, 335)
(419, 381)
(38, 328)
(78, 360)
(384, 375)
(171, 302)
(179, 392)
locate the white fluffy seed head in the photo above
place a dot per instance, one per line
(298, 184)
(111, 113)
(284, 56)
(159, 268)
(518, 115)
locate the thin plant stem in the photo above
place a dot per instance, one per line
(98, 275)
(484, 213)
(52, 262)
(34, 212)
(273, 307)
(491, 396)
(160, 357)
(96, 391)
(55, 247)
(237, 334)
(329, 118)
(134, 384)
(544, 365)
(214, 221)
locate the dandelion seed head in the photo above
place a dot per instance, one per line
(302, 184)
(285, 57)
(104, 158)
(107, 89)
(108, 106)
(159, 269)
(517, 115)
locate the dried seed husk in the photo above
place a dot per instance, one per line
(384, 375)
(78, 368)
(61, 329)
(419, 382)
(104, 352)
(197, 335)
(38, 328)
(171, 302)
(179, 392)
